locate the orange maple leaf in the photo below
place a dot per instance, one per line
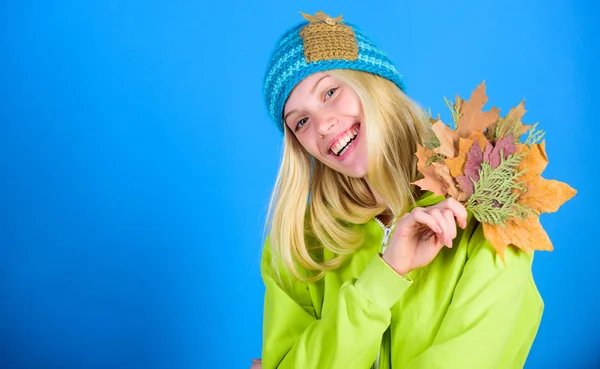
(320, 16)
(448, 139)
(436, 176)
(546, 195)
(456, 165)
(525, 234)
(541, 196)
(472, 118)
(534, 160)
(514, 115)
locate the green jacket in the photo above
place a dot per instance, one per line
(466, 309)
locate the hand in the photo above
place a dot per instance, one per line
(256, 364)
(421, 234)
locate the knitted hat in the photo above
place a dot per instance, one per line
(323, 43)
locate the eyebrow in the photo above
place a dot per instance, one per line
(312, 91)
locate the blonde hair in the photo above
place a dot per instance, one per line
(312, 205)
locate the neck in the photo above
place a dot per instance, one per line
(386, 215)
(378, 199)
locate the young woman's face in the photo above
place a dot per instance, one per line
(327, 118)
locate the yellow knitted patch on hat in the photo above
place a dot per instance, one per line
(326, 38)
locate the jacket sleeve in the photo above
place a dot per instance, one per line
(347, 336)
(485, 311)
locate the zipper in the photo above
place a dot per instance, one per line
(386, 233)
(386, 238)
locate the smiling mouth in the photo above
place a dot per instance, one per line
(343, 143)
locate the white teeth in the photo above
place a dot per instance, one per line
(345, 149)
(343, 141)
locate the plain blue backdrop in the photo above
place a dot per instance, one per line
(137, 158)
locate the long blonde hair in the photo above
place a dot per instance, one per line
(312, 205)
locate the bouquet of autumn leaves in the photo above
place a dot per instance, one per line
(484, 163)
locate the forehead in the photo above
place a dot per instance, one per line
(308, 82)
(304, 88)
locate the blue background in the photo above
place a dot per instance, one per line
(137, 158)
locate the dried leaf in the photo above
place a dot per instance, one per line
(448, 183)
(527, 234)
(465, 184)
(516, 115)
(473, 164)
(470, 164)
(448, 139)
(524, 128)
(423, 155)
(430, 181)
(534, 161)
(488, 151)
(462, 195)
(517, 112)
(320, 16)
(505, 145)
(457, 164)
(472, 117)
(436, 177)
(545, 195)
(480, 138)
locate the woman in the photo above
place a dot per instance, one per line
(355, 268)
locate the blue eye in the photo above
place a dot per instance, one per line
(330, 92)
(300, 123)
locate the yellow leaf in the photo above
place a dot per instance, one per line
(526, 234)
(472, 117)
(447, 181)
(456, 165)
(524, 128)
(534, 161)
(448, 139)
(320, 16)
(436, 177)
(423, 154)
(546, 196)
(514, 115)
(479, 137)
(310, 18)
(517, 112)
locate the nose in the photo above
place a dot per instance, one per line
(325, 123)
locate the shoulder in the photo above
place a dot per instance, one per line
(483, 257)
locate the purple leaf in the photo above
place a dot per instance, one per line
(506, 145)
(465, 184)
(488, 150)
(474, 160)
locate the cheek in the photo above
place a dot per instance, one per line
(350, 103)
(308, 144)
(362, 149)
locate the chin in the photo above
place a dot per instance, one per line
(355, 173)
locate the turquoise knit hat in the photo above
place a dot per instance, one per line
(322, 43)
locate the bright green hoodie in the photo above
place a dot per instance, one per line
(466, 309)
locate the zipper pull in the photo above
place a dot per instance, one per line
(386, 236)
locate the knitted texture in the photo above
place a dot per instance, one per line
(318, 38)
(320, 45)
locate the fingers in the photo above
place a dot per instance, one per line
(446, 235)
(449, 215)
(421, 216)
(442, 219)
(458, 210)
